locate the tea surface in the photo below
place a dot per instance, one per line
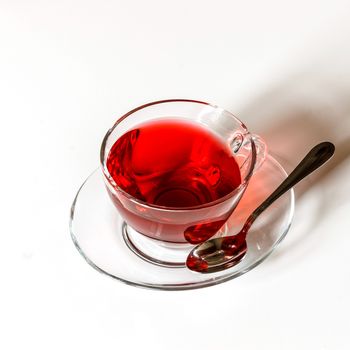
(173, 163)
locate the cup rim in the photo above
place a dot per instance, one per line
(114, 185)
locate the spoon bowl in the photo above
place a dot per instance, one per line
(217, 254)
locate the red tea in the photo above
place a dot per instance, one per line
(175, 164)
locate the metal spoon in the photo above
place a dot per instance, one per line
(221, 253)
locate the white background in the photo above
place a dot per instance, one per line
(68, 69)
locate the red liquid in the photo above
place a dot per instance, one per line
(174, 164)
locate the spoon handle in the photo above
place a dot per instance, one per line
(313, 160)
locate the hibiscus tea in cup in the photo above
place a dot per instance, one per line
(173, 164)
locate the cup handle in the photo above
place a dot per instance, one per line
(261, 151)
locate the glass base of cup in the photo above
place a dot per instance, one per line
(157, 252)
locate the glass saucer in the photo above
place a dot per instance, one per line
(97, 231)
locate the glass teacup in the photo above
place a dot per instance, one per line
(163, 234)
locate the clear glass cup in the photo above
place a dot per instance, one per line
(157, 233)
